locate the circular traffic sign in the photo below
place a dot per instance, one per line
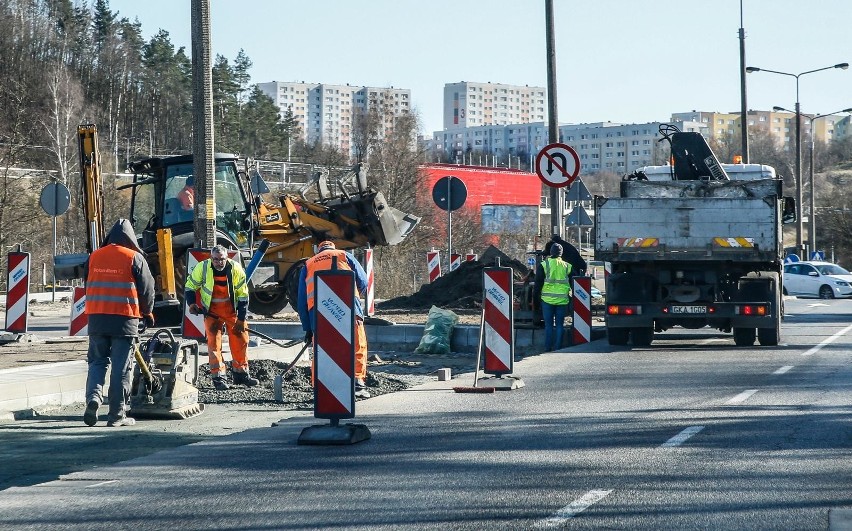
(449, 193)
(557, 165)
(55, 199)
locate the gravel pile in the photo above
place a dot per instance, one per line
(296, 388)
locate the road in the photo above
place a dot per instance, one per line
(692, 433)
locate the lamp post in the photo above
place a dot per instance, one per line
(799, 223)
(812, 218)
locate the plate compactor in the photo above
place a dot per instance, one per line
(163, 381)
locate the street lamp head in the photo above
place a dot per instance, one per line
(777, 108)
(750, 69)
(844, 66)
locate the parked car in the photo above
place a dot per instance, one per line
(817, 279)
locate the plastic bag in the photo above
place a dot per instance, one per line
(437, 332)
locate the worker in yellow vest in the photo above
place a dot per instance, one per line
(553, 281)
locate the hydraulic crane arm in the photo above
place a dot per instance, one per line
(92, 185)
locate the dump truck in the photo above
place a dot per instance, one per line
(340, 208)
(694, 244)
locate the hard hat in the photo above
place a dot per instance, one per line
(326, 245)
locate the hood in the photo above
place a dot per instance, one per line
(122, 234)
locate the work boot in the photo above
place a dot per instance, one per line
(244, 378)
(220, 384)
(123, 420)
(90, 417)
(361, 389)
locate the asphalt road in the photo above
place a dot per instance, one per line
(691, 433)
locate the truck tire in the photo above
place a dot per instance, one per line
(770, 337)
(267, 303)
(744, 337)
(642, 337)
(617, 336)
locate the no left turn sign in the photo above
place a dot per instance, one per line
(557, 165)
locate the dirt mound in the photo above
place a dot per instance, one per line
(461, 288)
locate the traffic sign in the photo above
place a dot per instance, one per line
(578, 192)
(449, 193)
(579, 218)
(557, 165)
(55, 199)
(791, 258)
(818, 255)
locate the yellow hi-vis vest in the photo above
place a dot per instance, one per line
(557, 287)
(201, 279)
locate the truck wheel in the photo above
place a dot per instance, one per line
(768, 337)
(744, 337)
(617, 336)
(642, 337)
(267, 303)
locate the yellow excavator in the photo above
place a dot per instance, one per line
(344, 210)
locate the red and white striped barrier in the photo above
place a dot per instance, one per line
(433, 262)
(582, 300)
(455, 261)
(79, 323)
(18, 294)
(499, 336)
(334, 338)
(471, 257)
(370, 299)
(192, 326)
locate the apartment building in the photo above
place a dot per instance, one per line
(473, 104)
(601, 146)
(780, 124)
(326, 113)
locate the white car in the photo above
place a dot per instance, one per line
(817, 279)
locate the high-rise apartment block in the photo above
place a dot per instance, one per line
(471, 104)
(327, 113)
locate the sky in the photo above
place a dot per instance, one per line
(626, 61)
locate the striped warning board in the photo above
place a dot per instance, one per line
(79, 323)
(733, 242)
(499, 336)
(455, 261)
(638, 242)
(433, 263)
(192, 326)
(334, 336)
(582, 301)
(18, 294)
(471, 257)
(370, 299)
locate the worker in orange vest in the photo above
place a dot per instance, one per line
(119, 292)
(305, 305)
(224, 292)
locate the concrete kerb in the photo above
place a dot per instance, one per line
(27, 391)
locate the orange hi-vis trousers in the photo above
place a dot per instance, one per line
(227, 316)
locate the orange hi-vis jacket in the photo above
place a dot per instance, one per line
(111, 287)
(322, 262)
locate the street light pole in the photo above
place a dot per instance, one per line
(812, 217)
(799, 222)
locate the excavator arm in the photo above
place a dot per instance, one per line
(92, 185)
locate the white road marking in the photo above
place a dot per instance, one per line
(714, 340)
(681, 437)
(742, 397)
(573, 509)
(783, 369)
(814, 305)
(827, 341)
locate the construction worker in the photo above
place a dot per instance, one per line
(553, 281)
(119, 292)
(570, 254)
(224, 301)
(345, 261)
(186, 195)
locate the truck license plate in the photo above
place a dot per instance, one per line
(689, 309)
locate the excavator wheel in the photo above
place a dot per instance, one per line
(291, 282)
(267, 303)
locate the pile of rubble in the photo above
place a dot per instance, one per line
(461, 288)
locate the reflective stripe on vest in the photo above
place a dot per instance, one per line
(557, 285)
(203, 282)
(322, 262)
(111, 286)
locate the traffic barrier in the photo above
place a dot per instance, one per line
(370, 299)
(192, 326)
(471, 257)
(433, 262)
(582, 302)
(455, 261)
(79, 323)
(498, 309)
(18, 294)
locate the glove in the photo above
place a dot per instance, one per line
(149, 320)
(309, 336)
(240, 327)
(195, 309)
